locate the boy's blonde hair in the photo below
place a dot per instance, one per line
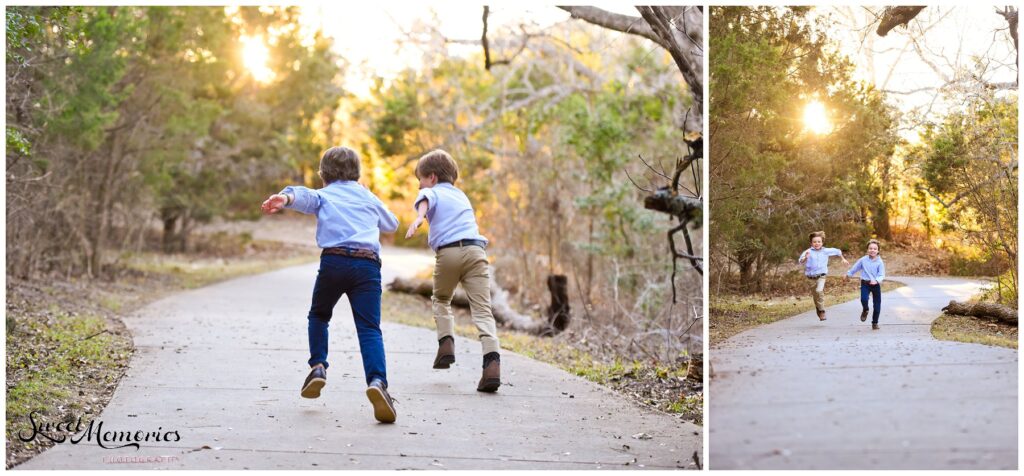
(440, 163)
(339, 163)
(876, 243)
(817, 234)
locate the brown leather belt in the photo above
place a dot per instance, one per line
(461, 243)
(352, 253)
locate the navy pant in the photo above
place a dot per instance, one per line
(876, 298)
(359, 278)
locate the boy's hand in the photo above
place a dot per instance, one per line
(413, 226)
(803, 257)
(844, 261)
(873, 282)
(274, 204)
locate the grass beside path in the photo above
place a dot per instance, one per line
(66, 345)
(730, 313)
(662, 387)
(974, 331)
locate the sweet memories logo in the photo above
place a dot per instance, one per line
(74, 431)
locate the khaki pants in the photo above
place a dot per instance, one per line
(819, 293)
(467, 265)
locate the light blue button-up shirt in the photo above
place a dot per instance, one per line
(817, 261)
(450, 215)
(347, 214)
(871, 269)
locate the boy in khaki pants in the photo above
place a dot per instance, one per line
(461, 257)
(815, 260)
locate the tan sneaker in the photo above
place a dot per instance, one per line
(383, 406)
(821, 315)
(315, 381)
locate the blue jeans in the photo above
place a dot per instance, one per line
(359, 278)
(876, 298)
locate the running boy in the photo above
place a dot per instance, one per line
(872, 272)
(349, 220)
(461, 257)
(816, 259)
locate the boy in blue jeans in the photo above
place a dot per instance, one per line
(461, 257)
(348, 226)
(872, 272)
(816, 259)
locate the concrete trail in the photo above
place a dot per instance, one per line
(222, 365)
(804, 394)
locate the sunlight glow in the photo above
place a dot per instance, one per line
(255, 56)
(816, 119)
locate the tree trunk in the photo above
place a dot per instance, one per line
(983, 310)
(170, 222)
(746, 265)
(558, 311)
(880, 221)
(695, 367)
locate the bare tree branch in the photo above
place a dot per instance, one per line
(895, 16)
(616, 21)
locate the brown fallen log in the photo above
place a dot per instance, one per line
(556, 321)
(983, 310)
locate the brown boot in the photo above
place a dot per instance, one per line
(491, 378)
(445, 353)
(821, 315)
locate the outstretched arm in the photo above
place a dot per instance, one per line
(275, 203)
(838, 252)
(300, 199)
(858, 266)
(421, 214)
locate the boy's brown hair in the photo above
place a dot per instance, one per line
(440, 163)
(817, 234)
(876, 243)
(339, 163)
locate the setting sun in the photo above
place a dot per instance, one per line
(255, 56)
(815, 118)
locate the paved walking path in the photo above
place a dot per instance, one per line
(222, 365)
(805, 394)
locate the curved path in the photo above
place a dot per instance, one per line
(804, 394)
(223, 364)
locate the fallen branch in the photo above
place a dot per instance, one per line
(983, 310)
(558, 315)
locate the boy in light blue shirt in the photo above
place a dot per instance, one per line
(872, 272)
(348, 226)
(816, 268)
(461, 257)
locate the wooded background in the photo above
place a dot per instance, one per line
(773, 181)
(129, 127)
